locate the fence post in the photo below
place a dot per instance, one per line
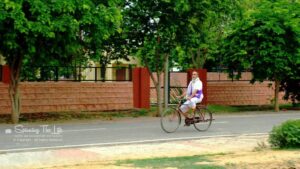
(136, 87)
(95, 74)
(141, 88)
(5, 74)
(145, 88)
(203, 77)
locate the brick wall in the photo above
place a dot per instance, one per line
(70, 96)
(241, 93)
(214, 76)
(222, 91)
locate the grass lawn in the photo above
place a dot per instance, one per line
(237, 109)
(184, 162)
(74, 116)
(268, 158)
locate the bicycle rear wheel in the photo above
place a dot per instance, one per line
(202, 119)
(170, 120)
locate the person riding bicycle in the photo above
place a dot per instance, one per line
(193, 95)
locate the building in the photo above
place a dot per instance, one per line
(117, 70)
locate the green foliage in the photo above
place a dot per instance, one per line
(267, 40)
(151, 30)
(286, 135)
(240, 109)
(192, 162)
(113, 48)
(154, 29)
(53, 32)
(199, 44)
(38, 32)
(174, 28)
(291, 87)
(149, 55)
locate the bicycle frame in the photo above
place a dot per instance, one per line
(170, 125)
(179, 104)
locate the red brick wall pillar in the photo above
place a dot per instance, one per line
(203, 77)
(5, 74)
(136, 87)
(141, 88)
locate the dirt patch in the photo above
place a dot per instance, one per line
(251, 152)
(261, 159)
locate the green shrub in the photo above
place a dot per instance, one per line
(286, 135)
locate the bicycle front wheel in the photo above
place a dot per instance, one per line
(202, 119)
(170, 120)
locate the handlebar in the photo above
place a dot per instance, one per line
(180, 100)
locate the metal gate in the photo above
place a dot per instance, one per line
(177, 84)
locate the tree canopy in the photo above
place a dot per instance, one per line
(38, 31)
(267, 41)
(156, 29)
(199, 44)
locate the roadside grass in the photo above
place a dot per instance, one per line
(261, 146)
(190, 162)
(60, 117)
(238, 109)
(212, 161)
(297, 149)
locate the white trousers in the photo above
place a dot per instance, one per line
(190, 104)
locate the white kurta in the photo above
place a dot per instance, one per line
(193, 85)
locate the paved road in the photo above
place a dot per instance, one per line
(130, 131)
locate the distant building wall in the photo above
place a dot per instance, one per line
(70, 96)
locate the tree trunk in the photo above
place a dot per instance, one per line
(276, 104)
(158, 91)
(198, 60)
(103, 62)
(15, 100)
(157, 84)
(103, 72)
(166, 82)
(13, 89)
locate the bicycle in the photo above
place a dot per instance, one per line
(171, 117)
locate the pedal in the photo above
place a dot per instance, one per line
(188, 122)
(186, 125)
